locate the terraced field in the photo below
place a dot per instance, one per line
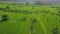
(28, 19)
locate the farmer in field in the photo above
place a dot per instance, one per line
(33, 20)
(7, 8)
(58, 14)
(32, 25)
(2, 8)
(55, 30)
(4, 18)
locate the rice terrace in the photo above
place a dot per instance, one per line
(26, 18)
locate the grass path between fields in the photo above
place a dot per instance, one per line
(42, 25)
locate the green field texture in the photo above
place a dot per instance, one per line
(43, 14)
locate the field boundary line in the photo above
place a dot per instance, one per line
(42, 25)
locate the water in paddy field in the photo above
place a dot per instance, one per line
(29, 16)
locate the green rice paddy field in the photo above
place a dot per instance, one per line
(46, 19)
